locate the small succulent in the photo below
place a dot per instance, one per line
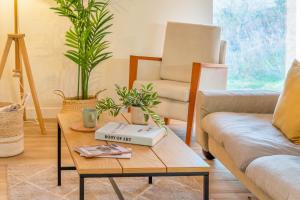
(145, 98)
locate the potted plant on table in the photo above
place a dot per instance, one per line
(87, 42)
(141, 102)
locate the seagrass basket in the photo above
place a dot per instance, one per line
(71, 104)
(11, 132)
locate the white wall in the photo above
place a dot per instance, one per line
(138, 29)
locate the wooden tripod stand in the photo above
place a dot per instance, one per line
(21, 52)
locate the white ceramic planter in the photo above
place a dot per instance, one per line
(137, 116)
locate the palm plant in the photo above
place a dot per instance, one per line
(86, 38)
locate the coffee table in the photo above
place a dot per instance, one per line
(170, 157)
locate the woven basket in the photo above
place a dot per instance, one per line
(71, 104)
(11, 132)
(11, 123)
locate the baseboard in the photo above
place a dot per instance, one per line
(47, 112)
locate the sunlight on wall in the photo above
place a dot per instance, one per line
(139, 27)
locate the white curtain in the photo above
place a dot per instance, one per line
(298, 29)
(292, 32)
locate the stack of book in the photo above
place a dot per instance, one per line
(104, 151)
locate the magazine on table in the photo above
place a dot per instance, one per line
(104, 151)
(147, 135)
(120, 156)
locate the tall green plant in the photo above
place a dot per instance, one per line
(87, 36)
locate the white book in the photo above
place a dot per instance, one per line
(133, 134)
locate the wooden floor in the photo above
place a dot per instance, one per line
(3, 183)
(41, 149)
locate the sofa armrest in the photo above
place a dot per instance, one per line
(240, 101)
(236, 101)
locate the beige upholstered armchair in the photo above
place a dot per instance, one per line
(193, 57)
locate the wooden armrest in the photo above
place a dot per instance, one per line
(210, 65)
(195, 79)
(196, 74)
(133, 66)
(145, 58)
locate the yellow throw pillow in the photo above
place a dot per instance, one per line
(287, 112)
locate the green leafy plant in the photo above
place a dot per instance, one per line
(145, 98)
(86, 38)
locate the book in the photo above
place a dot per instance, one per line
(104, 151)
(133, 134)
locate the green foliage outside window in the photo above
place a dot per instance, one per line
(256, 34)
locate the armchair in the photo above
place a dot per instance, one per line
(193, 58)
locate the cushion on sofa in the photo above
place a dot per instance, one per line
(287, 113)
(278, 176)
(246, 137)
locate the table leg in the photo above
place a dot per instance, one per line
(81, 188)
(150, 179)
(58, 155)
(206, 187)
(116, 188)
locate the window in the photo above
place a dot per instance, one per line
(256, 34)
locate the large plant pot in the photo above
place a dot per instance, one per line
(71, 104)
(137, 116)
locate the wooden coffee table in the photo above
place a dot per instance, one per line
(170, 157)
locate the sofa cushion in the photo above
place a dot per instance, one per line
(287, 112)
(246, 137)
(174, 90)
(278, 176)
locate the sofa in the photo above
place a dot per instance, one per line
(236, 128)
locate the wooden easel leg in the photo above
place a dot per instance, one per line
(19, 70)
(24, 55)
(5, 55)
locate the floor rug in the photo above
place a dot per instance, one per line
(38, 182)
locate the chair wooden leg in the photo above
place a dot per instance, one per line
(167, 121)
(196, 73)
(189, 128)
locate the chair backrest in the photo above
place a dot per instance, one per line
(223, 48)
(188, 43)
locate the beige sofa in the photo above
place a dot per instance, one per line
(235, 127)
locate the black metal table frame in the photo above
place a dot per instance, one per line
(111, 176)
